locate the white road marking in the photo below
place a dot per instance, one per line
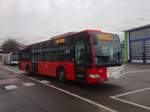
(90, 101)
(28, 84)
(44, 81)
(129, 102)
(132, 103)
(11, 70)
(8, 81)
(77, 96)
(10, 87)
(132, 92)
(146, 70)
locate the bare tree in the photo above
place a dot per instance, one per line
(10, 45)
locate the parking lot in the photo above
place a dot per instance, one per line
(21, 93)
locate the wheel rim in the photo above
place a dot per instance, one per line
(61, 75)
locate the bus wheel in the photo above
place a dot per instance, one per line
(61, 75)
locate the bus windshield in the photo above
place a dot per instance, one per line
(107, 50)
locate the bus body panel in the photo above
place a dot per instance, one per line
(50, 69)
(23, 64)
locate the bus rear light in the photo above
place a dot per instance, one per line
(94, 75)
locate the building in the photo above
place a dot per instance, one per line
(122, 48)
(137, 45)
(1, 54)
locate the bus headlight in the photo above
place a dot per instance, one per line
(94, 75)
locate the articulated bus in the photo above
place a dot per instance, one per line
(90, 56)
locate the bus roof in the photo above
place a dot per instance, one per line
(72, 33)
(63, 35)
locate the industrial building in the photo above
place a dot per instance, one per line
(137, 45)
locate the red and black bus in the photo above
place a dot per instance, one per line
(90, 56)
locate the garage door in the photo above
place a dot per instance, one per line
(147, 51)
(136, 52)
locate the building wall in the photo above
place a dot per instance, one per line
(137, 46)
(1, 54)
(1, 57)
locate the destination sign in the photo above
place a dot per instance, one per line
(60, 40)
(104, 36)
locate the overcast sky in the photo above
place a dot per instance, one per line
(35, 20)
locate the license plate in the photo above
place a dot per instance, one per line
(114, 72)
(110, 72)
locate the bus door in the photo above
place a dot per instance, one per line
(34, 63)
(34, 58)
(80, 60)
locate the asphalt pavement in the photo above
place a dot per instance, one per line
(22, 93)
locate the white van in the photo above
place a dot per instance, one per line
(10, 58)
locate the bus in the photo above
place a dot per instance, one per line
(90, 56)
(10, 58)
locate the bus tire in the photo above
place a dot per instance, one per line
(61, 75)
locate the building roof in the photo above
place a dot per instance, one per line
(138, 28)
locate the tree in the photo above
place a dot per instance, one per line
(10, 45)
